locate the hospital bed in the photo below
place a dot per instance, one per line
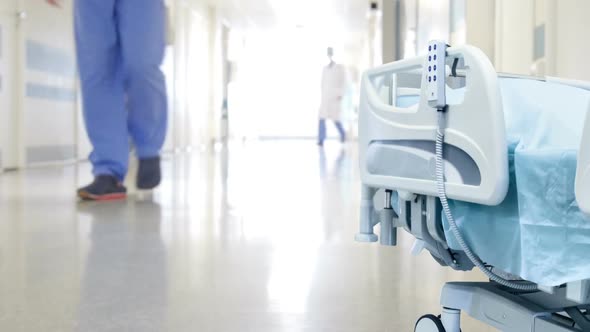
(487, 171)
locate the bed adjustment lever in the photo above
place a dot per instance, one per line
(388, 219)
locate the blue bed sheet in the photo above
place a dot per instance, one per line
(538, 232)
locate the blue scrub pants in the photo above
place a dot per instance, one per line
(322, 131)
(120, 47)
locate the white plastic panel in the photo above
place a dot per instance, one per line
(475, 127)
(583, 170)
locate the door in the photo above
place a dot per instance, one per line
(48, 120)
(8, 92)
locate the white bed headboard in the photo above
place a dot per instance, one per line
(583, 170)
(397, 144)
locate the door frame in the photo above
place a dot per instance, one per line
(12, 14)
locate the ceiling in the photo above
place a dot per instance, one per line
(271, 13)
(342, 20)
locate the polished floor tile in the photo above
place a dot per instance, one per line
(254, 237)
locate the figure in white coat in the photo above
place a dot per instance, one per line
(334, 81)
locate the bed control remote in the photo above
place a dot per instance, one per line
(435, 74)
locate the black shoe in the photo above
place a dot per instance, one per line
(149, 173)
(103, 188)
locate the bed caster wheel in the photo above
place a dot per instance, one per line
(429, 323)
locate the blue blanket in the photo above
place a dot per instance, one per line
(538, 232)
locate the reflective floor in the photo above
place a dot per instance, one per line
(257, 237)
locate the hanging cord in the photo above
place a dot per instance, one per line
(442, 194)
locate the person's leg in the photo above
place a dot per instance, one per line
(142, 28)
(341, 130)
(321, 132)
(102, 86)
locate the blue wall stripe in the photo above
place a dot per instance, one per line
(45, 58)
(42, 91)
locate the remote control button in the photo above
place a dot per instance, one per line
(430, 58)
(430, 48)
(434, 67)
(429, 79)
(435, 78)
(430, 68)
(435, 47)
(435, 57)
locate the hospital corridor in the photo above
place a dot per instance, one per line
(308, 166)
(228, 243)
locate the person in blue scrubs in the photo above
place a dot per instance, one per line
(120, 47)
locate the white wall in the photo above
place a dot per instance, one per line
(563, 22)
(480, 25)
(195, 75)
(514, 36)
(433, 23)
(570, 24)
(216, 73)
(505, 31)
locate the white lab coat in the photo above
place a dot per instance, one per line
(334, 80)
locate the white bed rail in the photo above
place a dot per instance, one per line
(476, 134)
